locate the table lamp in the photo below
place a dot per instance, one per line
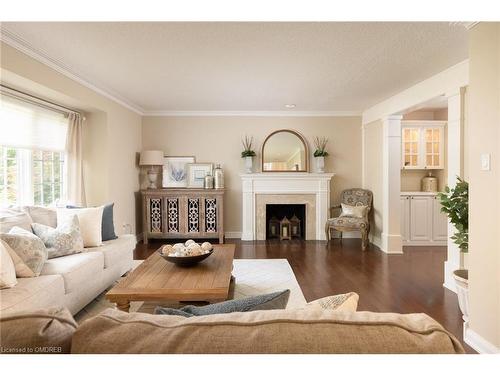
(151, 158)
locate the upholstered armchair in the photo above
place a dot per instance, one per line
(352, 220)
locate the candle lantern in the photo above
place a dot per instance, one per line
(295, 226)
(274, 227)
(285, 230)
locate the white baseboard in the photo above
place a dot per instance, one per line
(233, 235)
(478, 343)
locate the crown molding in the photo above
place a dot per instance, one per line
(23, 46)
(252, 113)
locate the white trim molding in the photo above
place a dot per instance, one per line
(433, 87)
(232, 234)
(391, 185)
(478, 343)
(283, 183)
(23, 46)
(290, 113)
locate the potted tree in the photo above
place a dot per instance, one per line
(320, 153)
(455, 203)
(247, 153)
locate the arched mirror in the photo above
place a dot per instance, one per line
(285, 151)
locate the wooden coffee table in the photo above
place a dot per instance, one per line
(158, 280)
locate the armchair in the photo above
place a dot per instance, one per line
(351, 197)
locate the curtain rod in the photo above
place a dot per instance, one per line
(37, 101)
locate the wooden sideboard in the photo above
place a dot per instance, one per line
(183, 213)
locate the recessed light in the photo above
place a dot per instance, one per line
(290, 105)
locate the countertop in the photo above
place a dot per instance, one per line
(419, 193)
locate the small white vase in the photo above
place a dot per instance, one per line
(248, 164)
(320, 164)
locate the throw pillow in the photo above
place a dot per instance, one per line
(10, 218)
(22, 270)
(63, 240)
(340, 302)
(42, 215)
(7, 270)
(353, 211)
(90, 220)
(271, 301)
(108, 227)
(29, 247)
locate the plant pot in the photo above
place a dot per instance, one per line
(320, 164)
(462, 283)
(248, 164)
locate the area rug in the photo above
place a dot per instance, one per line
(253, 277)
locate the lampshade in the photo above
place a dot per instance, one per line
(151, 157)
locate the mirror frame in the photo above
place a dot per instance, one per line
(300, 137)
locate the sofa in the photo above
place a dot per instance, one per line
(71, 281)
(299, 330)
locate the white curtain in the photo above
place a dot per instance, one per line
(74, 160)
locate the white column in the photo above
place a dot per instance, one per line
(455, 163)
(248, 211)
(391, 183)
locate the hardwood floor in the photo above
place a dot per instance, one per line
(407, 283)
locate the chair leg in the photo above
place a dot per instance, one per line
(341, 234)
(327, 232)
(364, 239)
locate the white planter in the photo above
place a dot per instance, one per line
(462, 283)
(248, 164)
(320, 164)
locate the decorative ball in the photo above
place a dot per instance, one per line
(206, 246)
(167, 249)
(178, 246)
(189, 242)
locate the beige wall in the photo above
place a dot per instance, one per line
(112, 132)
(218, 140)
(484, 207)
(373, 174)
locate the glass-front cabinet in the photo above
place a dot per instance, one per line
(422, 144)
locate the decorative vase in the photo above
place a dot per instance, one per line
(219, 177)
(462, 282)
(248, 164)
(320, 164)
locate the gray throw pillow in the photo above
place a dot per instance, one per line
(271, 301)
(107, 225)
(63, 240)
(28, 247)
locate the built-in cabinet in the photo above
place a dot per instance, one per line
(422, 144)
(422, 222)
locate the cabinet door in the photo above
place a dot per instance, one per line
(439, 222)
(405, 218)
(410, 141)
(421, 218)
(433, 146)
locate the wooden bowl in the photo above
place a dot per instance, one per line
(186, 261)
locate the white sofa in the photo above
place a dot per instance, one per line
(71, 281)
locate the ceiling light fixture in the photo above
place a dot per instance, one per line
(290, 105)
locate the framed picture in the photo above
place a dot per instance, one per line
(175, 173)
(197, 172)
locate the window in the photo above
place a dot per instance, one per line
(30, 177)
(32, 143)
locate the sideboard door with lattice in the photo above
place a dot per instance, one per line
(183, 213)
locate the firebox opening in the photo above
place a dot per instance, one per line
(276, 213)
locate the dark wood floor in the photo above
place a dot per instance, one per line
(407, 283)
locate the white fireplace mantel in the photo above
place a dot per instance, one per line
(253, 184)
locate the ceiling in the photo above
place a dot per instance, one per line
(163, 67)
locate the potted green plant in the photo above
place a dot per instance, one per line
(455, 203)
(247, 153)
(320, 153)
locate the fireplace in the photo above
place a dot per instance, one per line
(292, 218)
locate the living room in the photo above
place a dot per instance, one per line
(305, 181)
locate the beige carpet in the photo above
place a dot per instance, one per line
(253, 277)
